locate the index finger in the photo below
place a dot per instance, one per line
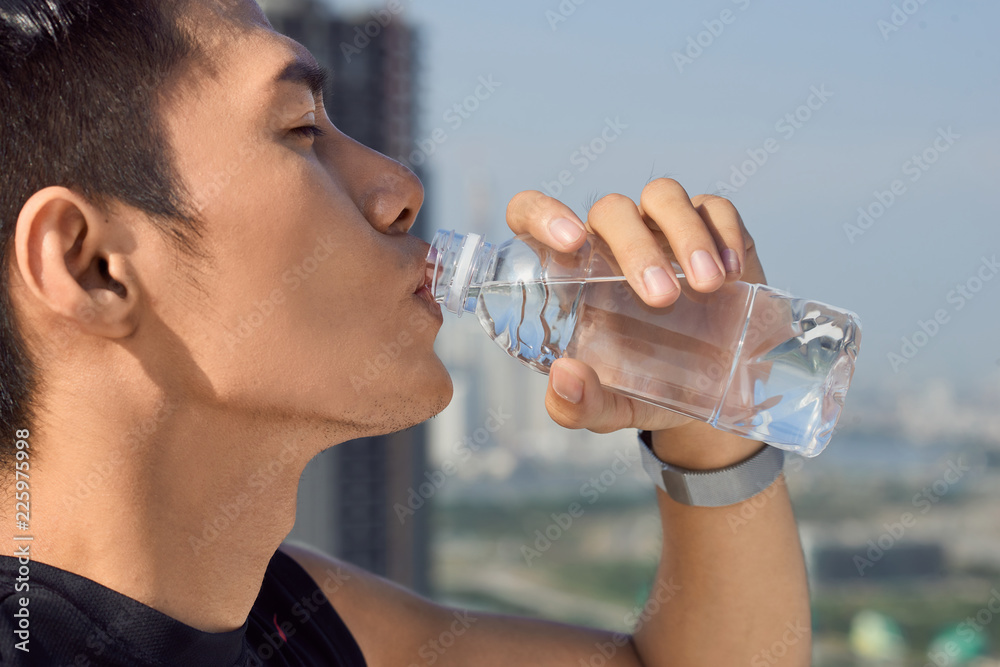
(547, 219)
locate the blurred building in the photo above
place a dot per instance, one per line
(348, 494)
(838, 564)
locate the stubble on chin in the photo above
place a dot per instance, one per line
(387, 417)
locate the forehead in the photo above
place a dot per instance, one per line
(237, 14)
(240, 59)
(220, 111)
(237, 39)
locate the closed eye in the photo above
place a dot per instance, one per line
(308, 131)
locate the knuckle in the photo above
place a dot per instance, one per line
(715, 202)
(609, 205)
(720, 207)
(611, 202)
(661, 190)
(722, 212)
(528, 203)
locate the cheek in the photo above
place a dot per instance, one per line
(392, 356)
(344, 313)
(295, 241)
(287, 313)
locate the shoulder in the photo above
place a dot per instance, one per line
(387, 620)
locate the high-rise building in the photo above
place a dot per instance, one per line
(349, 495)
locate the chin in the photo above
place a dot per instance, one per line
(425, 395)
(433, 395)
(433, 392)
(444, 396)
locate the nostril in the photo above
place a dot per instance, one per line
(404, 221)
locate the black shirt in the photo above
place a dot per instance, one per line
(73, 621)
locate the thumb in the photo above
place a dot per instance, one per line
(575, 399)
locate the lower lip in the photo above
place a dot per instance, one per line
(424, 294)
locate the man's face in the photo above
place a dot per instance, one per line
(308, 310)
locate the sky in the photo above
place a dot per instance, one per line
(801, 113)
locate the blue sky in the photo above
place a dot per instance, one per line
(888, 95)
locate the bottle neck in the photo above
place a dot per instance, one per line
(458, 265)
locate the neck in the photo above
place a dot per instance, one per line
(177, 507)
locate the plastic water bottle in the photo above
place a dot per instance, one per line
(748, 359)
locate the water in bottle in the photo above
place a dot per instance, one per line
(747, 358)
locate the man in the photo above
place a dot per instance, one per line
(169, 174)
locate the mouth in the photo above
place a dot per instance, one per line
(433, 307)
(425, 276)
(424, 271)
(425, 293)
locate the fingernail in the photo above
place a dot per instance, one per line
(731, 260)
(565, 230)
(658, 283)
(704, 267)
(567, 385)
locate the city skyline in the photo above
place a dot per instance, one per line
(856, 140)
(857, 150)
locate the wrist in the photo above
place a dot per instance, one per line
(716, 487)
(698, 446)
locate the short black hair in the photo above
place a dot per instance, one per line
(79, 84)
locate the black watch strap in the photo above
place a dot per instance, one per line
(713, 488)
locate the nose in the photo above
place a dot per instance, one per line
(385, 191)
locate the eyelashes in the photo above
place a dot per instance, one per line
(308, 131)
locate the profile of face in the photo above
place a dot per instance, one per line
(309, 309)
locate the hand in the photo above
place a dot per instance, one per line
(704, 234)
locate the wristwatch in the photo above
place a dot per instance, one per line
(713, 488)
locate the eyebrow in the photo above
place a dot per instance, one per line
(307, 73)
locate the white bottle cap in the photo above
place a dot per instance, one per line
(458, 290)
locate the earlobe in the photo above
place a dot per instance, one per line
(70, 258)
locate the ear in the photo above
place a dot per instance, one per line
(73, 260)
